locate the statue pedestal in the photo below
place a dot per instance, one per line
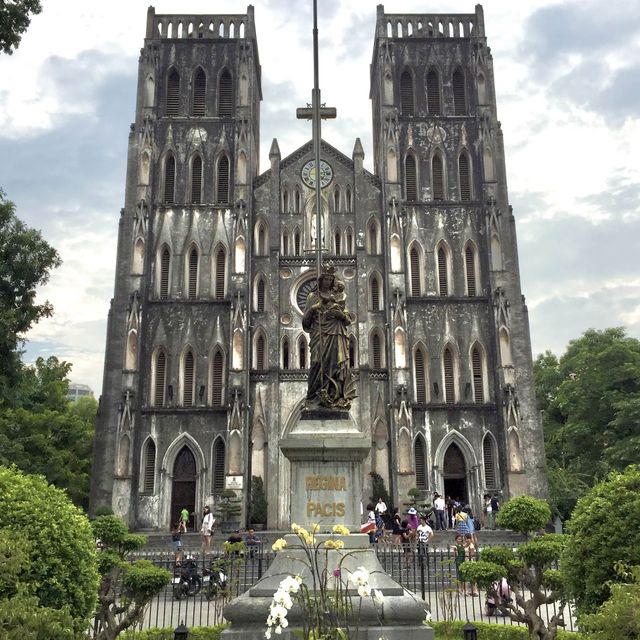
(326, 451)
(400, 618)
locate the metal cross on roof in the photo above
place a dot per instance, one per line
(316, 114)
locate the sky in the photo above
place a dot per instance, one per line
(567, 78)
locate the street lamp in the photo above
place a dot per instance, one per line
(182, 633)
(469, 632)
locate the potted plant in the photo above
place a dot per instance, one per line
(227, 511)
(258, 504)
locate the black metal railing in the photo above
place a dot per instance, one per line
(429, 573)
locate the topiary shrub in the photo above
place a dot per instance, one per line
(524, 514)
(59, 569)
(452, 630)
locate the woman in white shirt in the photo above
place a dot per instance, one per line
(207, 527)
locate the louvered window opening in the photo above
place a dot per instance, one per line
(169, 180)
(216, 379)
(261, 249)
(223, 180)
(415, 272)
(199, 92)
(187, 395)
(336, 201)
(150, 468)
(459, 97)
(443, 283)
(296, 243)
(433, 94)
(478, 387)
(411, 179)
(419, 454)
(349, 200)
(437, 177)
(260, 295)
(196, 180)
(225, 95)
(349, 243)
(285, 244)
(285, 354)
(489, 464)
(285, 201)
(260, 361)
(173, 94)
(470, 263)
(421, 384)
(338, 243)
(376, 347)
(302, 355)
(375, 294)
(406, 94)
(218, 466)
(165, 260)
(465, 177)
(161, 367)
(193, 274)
(220, 274)
(449, 388)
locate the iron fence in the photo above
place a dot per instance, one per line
(429, 573)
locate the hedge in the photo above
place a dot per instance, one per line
(195, 633)
(487, 631)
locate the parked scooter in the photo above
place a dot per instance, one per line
(214, 579)
(186, 579)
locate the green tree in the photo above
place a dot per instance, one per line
(379, 490)
(48, 435)
(25, 262)
(529, 569)
(605, 531)
(524, 514)
(590, 399)
(258, 506)
(15, 17)
(54, 544)
(619, 616)
(126, 587)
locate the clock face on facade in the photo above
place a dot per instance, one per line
(308, 174)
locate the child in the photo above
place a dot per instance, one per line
(176, 540)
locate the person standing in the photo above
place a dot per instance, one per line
(425, 535)
(439, 506)
(184, 519)
(381, 508)
(495, 507)
(207, 528)
(470, 555)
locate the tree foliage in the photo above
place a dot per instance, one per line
(46, 434)
(524, 514)
(49, 577)
(619, 616)
(605, 531)
(25, 262)
(529, 569)
(591, 403)
(258, 505)
(15, 17)
(139, 580)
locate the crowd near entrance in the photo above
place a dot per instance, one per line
(454, 474)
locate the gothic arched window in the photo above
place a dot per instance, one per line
(169, 179)
(219, 455)
(219, 269)
(165, 270)
(225, 95)
(437, 177)
(464, 175)
(477, 367)
(415, 276)
(172, 107)
(149, 466)
(222, 180)
(420, 373)
(192, 274)
(449, 379)
(260, 294)
(489, 459)
(470, 269)
(406, 94)
(419, 453)
(443, 270)
(459, 93)
(410, 178)
(433, 93)
(188, 379)
(199, 93)
(286, 356)
(159, 382)
(217, 378)
(196, 180)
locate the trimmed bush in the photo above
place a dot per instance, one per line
(62, 570)
(487, 631)
(195, 633)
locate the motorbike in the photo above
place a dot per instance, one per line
(186, 579)
(214, 580)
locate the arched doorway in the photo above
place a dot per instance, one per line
(183, 489)
(454, 473)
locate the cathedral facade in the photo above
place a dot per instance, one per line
(206, 359)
